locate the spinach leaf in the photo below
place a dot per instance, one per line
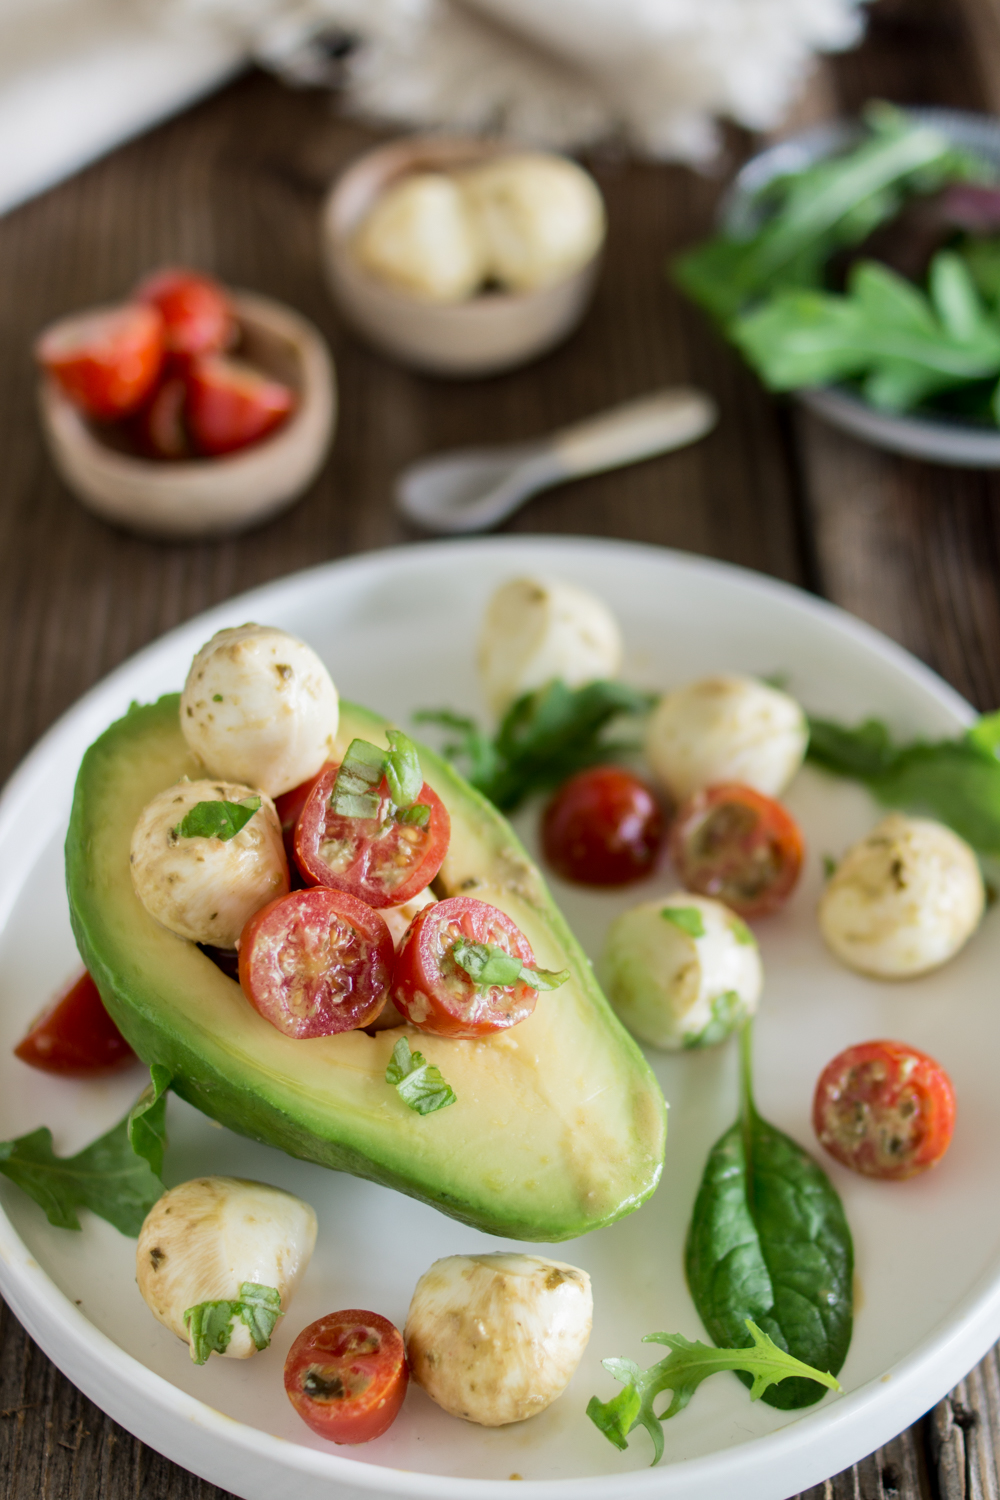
(681, 1372)
(768, 1241)
(545, 737)
(957, 781)
(112, 1177)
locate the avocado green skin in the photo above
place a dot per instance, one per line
(516, 1159)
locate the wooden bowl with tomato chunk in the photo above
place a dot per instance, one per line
(216, 491)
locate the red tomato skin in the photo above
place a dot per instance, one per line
(289, 809)
(106, 361)
(738, 845)
(159, 428)
(361, 877)
(76, 1037)
(885, 1110)
(603, 827)
(443, 1000)
(330, 998)
(196, 311)
(231, 405)
(372, 1381)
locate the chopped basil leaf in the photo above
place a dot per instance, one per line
(488, 965)
(217, 820)
(728, 1011)
(210, 1324)
(829, 866)
(355, 791)
(216, 697)
(402, 770)
(688, 918)
(681, 1372)
(741, 932)
(419, 814)
(418, 1082)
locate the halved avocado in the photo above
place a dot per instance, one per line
(559, 1125)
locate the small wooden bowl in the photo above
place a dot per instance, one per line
(205, 496)
(481, 336)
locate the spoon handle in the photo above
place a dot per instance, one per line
(638, 429)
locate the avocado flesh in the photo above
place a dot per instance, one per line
(559, 1126)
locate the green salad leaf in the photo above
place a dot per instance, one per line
(901, 344)
(761, 1364)
(543, 738)
(769, 1241)
(210, 1324)
(217, 820)
(419, 1083)
(688, 918)
(112, 1176)
(488, 965)
(956, 781)
(356, 790)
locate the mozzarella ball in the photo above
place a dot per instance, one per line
(541, 218)
(398, 918)
(682, 971)
(206, 889)
(537, 629)
(723, 729)
(259, 707)
(421, 238)
(495, 1338)
(202, 1240)
(903, 900)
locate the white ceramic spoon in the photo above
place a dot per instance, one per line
(474, 488)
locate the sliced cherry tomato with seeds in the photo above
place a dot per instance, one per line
(380, 860)
(603, 827)
(197, 315)
(432, 989)
(738, 845)
(884, 1109)
(316, 962)
(107, 360)
(75, 1036)
(346, 1375)
(231, 405)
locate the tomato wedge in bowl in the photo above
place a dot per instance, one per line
(449, 977)
(75, 1036)
(734, 843)
(316, 962)
(380, 860)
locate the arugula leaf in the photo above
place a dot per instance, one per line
(210, 1324)
(217, 820)
(110, 1177)
(761, 1365)
(957, 781)
(545, 737)
(418, 1082)
(146, 1122)
(688, 918)
(488, 965)
(768, 1240)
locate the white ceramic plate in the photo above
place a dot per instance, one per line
(397, 630)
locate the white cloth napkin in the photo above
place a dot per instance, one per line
(78, 76)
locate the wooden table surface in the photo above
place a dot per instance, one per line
(233, 186)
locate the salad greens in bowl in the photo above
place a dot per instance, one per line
(859, 265)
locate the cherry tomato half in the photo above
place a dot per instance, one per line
(435, 994)
(884, 1109)
(231, 405)
(376, 859)
(196, 313)
(346, 1375)
(107, 361)
(734, 843)
(316, 962)
(289, 809)
(75, 1036)
(602, 827)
